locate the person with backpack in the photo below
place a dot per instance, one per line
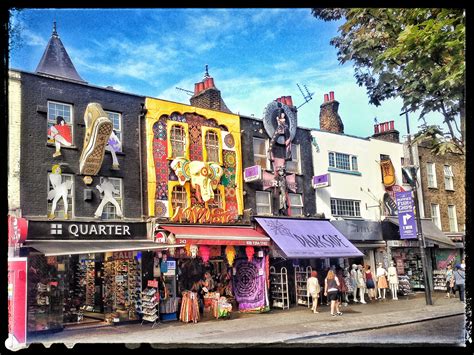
(459, 276)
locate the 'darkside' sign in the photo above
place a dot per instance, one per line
(66, 230)
(203, 215)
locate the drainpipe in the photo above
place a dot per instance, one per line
(140, 116)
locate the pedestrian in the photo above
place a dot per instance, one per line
(382, 285)
(331, 283)
(361, 283)
(369, 280)
(342, 294)
(459, 276)
(313, 289)
(449, 281)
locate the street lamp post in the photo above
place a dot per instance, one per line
(421, 237)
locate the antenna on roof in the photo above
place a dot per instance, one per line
(189, 92)
(307, 97)
(206, 75)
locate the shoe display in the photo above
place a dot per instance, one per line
(98, 130)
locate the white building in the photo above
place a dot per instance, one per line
(356, 200)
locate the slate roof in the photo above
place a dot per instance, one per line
(56, 61)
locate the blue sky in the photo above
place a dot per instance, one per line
(254, 56)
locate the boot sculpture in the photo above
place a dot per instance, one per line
(98, 130)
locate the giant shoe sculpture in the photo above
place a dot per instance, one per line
(98, 130)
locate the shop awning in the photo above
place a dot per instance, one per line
(308, 238)
(430, 231)
(218, 235)
(54, 248)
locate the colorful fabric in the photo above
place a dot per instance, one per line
(248, 284)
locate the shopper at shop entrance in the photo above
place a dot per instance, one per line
(313, 289)
(459, 276)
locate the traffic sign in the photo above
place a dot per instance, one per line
(406, 215)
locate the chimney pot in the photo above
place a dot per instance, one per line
(386, 127)
(200, 86)
(206, 83)
(289, 101)
(196, 88)
(331, 95)
(376, 128)
(279, 99)
(392, 125)
(326, 97)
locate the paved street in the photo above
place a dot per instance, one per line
(371, 323)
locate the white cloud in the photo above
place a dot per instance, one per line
(32, 39)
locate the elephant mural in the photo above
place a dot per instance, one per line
(204, 176)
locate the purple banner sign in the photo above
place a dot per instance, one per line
(248, 284)
(321, 181)
(253, 173)
(308, 238)
(406, 216)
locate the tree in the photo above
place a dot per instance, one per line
(415, 54)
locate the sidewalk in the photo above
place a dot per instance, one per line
(272, 328)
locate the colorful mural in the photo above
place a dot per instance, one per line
(190, 167)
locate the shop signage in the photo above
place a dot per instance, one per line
(223, 242)
(17, 270)
(406, 215)
(253, 173)
(403, 243)
(320, 181)
(122, 255)
(66, 230)
(152, 283)
(17, 230)
(203, 215)
(359, 230)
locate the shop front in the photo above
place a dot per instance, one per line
(220, 267)
(301, 246)
(406, 253)
(367, 237)
(82, 278)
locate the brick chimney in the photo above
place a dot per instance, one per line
(206, 95)
(386, 131)
(329, 119)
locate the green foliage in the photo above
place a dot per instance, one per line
(415, 54)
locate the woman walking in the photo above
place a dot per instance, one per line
(313, 289)
(370, 282)
(331, 284)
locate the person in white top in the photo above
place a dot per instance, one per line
(393, 280)
(313, 289)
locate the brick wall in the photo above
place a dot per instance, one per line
(440, 195)
(210, 99)
(37, 156)
(254, 128)
(329, 119)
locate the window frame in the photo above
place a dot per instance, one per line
(70, 195)
(71, 124)
(453, 220)
(431, 172)
(264, 156)
(221, 192)
(169, 128)
(204, 131)
(448, 177)
(119, 199)
(333, 158)
(171, 186)
(119, 130)
(299, 206)
(295, 148)
(257, 204)
(355, 206)
(437, 218)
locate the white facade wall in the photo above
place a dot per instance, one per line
(366, 188)
(14, 141)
